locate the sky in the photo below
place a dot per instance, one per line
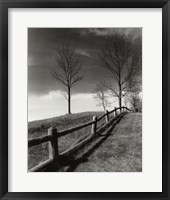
(45, 97)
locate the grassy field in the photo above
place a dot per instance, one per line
(119, 151)
(39, 153)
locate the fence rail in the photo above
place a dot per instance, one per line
(54, 134)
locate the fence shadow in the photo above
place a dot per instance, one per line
(84, 157)
(57, 160)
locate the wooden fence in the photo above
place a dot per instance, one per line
(53, 162)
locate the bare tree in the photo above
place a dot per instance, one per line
(121, 56)
(135, 102)
(67, 70)
(100, 94)
(134, 95)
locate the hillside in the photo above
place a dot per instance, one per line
(39, 128)
(119, 151)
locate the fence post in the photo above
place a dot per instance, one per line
(107, 116)
(53, 147)
(115, 112)
(94, 125)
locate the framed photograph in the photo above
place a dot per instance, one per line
(84, 99)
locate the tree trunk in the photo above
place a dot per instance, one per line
(103, 106)
(69, 100)
(120, 97)
(120, 102)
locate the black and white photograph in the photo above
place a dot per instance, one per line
(85, 99)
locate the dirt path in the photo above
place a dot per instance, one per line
(121, 151)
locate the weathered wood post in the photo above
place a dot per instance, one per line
(53, 147)
(94, 126)
(107, 116)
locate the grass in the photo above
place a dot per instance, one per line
(39, 153)
(121, 151)
(118, 151)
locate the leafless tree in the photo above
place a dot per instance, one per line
(101, 95)
(121, 56)
(67, 70)
(135, 102)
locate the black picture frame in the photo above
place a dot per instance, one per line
(4, 5)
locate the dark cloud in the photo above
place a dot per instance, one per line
(42, 44)
(110, 31)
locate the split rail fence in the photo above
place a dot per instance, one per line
(53, 134)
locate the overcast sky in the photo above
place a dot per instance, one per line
(44, 92)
